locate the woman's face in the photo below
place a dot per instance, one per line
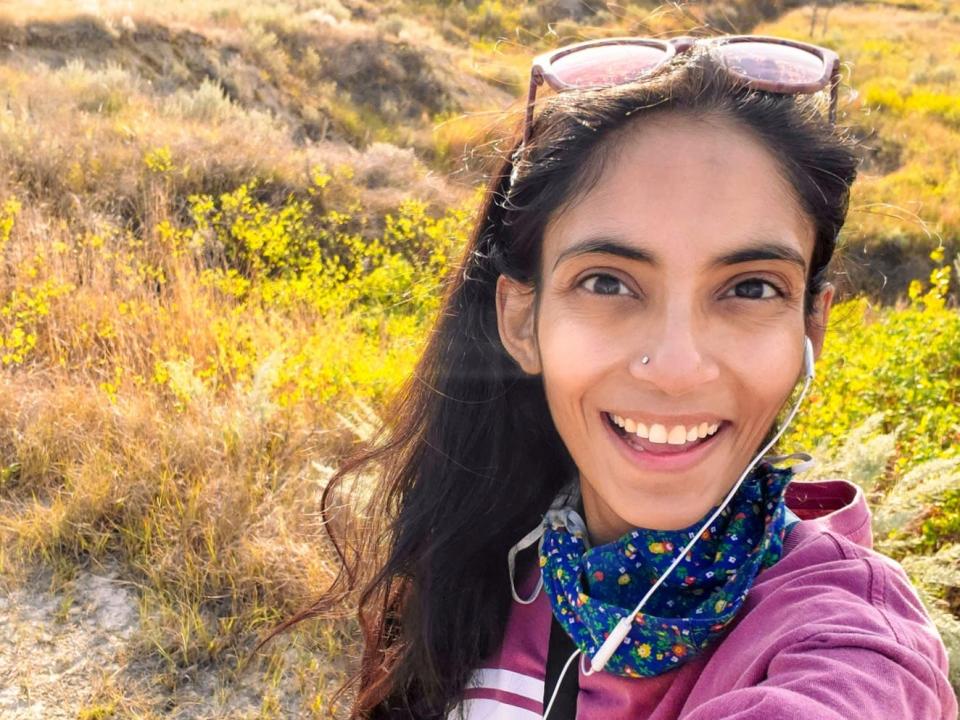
(690, 250)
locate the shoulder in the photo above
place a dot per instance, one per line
(829, 562)
(834, 609)
(833, 630)
(829, 583)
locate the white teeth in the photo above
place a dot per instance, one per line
(677, 435)
(658, 433)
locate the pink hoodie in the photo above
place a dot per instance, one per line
(833, 631)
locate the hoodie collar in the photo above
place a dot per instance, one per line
(837, 506)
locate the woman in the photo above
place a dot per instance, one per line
(580, 518)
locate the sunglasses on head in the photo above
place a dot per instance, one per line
(759, 61)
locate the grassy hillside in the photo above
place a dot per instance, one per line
(223, 227)
(269, 91)
(904, 65)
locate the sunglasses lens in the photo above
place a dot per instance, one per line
(607, 64)
(773, 63)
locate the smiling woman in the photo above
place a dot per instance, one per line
(663, 265)
(645, 286)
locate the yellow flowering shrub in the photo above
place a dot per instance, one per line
(896, 373)
(8, 213)
(25, 295)
(903, 362)
(342, 315)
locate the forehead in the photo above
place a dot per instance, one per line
(686, 190)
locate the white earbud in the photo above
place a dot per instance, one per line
(808, 357)
(622, 628)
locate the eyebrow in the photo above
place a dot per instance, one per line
(762, 249)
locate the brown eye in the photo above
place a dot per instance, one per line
(756, 289)
(603, 284)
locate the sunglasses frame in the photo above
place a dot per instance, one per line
(542, 69)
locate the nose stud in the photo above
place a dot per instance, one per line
(645, 359)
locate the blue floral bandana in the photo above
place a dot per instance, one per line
(593, 589)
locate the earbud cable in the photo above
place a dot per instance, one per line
(622, 628)
(556, 689)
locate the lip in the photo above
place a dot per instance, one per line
(666, 463)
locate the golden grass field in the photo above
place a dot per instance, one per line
(223, 231)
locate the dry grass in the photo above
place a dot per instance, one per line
(181, 423)
(212, 512)
(905, 67)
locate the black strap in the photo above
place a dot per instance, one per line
(560, 649)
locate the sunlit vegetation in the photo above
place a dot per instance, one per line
(902, 74)
(221, 253)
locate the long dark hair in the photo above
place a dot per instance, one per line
(469, 458)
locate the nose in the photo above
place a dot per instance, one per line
(681, 354)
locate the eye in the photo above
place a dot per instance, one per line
(757, 289)
(604, 284)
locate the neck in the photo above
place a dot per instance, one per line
(603, 524)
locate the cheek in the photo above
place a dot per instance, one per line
(767, 374)
(582, 348)
(575, 336)
(576, 358)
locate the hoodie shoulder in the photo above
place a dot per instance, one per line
(831, 580)
(831, 613)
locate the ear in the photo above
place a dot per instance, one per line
(516, 321)
(817, 325)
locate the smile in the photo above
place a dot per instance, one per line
(658, 433)
(657, 447)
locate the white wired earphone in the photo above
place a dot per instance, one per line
(622, 628)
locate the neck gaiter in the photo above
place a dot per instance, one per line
(591, 589)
